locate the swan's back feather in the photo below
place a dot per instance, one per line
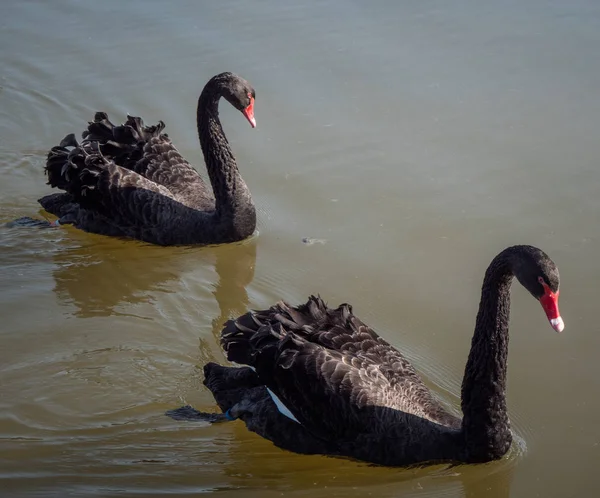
(330, 370)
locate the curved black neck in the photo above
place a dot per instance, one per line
(232, 197)
(485, 425)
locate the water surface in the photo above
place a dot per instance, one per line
(416, 140)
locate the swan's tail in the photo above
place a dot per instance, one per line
(230, 386)
(59, 204)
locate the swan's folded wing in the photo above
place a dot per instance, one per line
(162, 163)
(332, 394)
(125, 196)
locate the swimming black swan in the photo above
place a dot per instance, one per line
(131, 181)
(321, 381)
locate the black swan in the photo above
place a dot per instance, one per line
(131, 181)
(321, 381)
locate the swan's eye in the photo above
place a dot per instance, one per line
(541, 280)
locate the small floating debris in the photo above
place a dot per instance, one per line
(309, 241)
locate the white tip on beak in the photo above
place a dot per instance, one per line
(557, 324)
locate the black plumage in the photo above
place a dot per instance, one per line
(131, 181)
(353, 394)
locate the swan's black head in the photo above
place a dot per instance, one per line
(238, 92)
(539, 275)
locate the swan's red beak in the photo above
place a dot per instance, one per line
(549, 302)
(249, 113)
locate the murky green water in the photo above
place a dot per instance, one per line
(417, 139)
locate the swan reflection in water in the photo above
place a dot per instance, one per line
(355, 479)
(108, 276)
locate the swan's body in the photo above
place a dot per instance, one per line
(350, 393)
(131, 181)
